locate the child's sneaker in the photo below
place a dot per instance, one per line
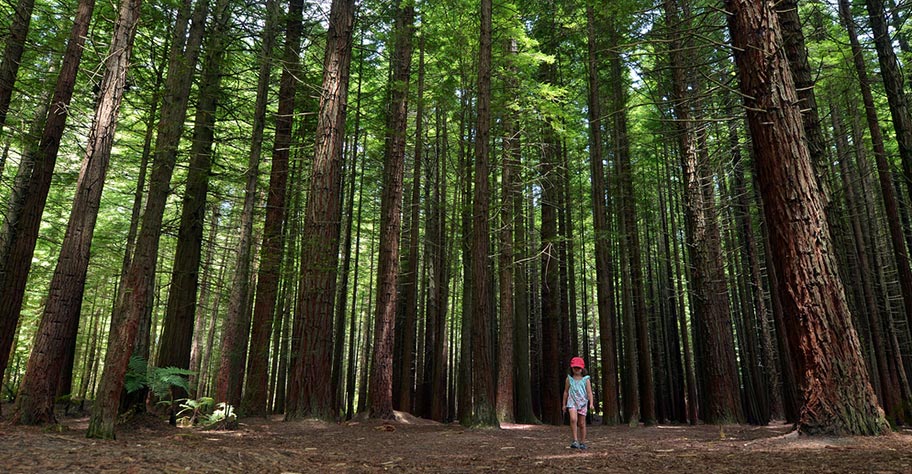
(583, 446)
(575, 445)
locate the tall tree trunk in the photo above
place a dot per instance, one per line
(254, 401)
(440, 271)
(464, 381)
(837, 397)
(509, 189)
(67, 284)
(602, 231)
(889, 388)
(409, 284)
(484, 393)
(21, 233)
(887, 190)
(636, 313)
(891, 74)
(769, 383)
(310, 392)
(177, 331)
(902, 122)
(12, 54)
(714, 342)
(381, 375)
(352, 342)
(136, 299)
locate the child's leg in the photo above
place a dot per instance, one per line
(581, 420)
(573, 422)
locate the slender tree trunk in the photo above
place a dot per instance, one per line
(137, 295)
(889, 388)
(891, 74)
(12, 54)
(310, 392)
(177, 331)
(636, 314)
(509, 190)
(254, 401)
(67, 285)
(409, 285)
(714, 342)
(196, 346)
(440, 271)
(604, 294)
(464, 382)
(21, 233)
(381, 375)
(837, 397)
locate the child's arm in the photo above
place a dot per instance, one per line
(589, 394)
(566, 393)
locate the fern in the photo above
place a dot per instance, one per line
(160, 380)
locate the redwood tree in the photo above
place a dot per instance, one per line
(22, 233)
(381, 376)
(310, 391)
(837, 397)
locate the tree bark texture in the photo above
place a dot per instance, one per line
(254, 399)
(312, 369)
(22, 232)
(381, 375)
(836, 394)
(720, 400)
(74, 255)
(484, 391)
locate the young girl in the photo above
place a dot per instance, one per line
(577, 398)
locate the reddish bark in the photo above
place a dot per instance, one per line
(837, 397)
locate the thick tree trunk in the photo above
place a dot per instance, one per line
(796, 51)
(254, 400)
(309, 388)
(837, 397)
(381, 388)
(67, 285)
(484, 391)
(21, 233)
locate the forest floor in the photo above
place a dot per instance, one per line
(413, 445)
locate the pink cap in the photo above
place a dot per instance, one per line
(577, 362)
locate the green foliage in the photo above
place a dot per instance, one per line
(160, 380)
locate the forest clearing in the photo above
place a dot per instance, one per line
(415, 445)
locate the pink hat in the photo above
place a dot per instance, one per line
(577, 362)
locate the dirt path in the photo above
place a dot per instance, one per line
(261, 446)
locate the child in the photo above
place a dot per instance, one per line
(577, 397)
